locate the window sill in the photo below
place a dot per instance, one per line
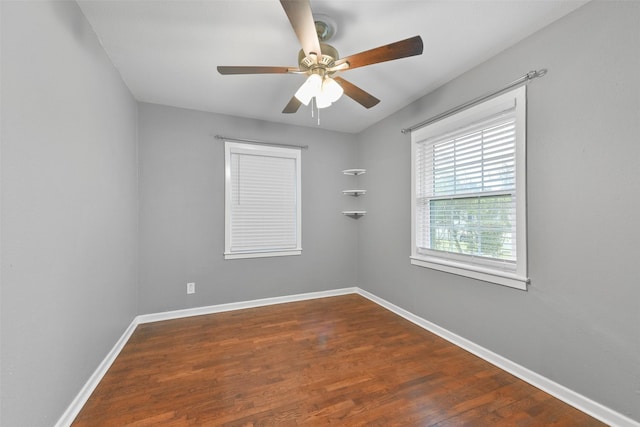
(266, 254)
(498, 277)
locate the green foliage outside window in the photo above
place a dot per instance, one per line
(477, 226)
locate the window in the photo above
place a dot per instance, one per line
(469, 192)
(262, 201)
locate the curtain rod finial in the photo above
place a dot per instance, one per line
(536, 73)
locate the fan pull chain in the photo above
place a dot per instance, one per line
(314, 106)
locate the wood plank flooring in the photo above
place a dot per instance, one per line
(339, 361)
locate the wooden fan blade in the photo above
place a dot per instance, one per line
(292, 106)
(354, 92)
(301, 19)
(402, 49)
(255, 70)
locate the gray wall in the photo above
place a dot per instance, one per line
(76, 268)
(579, 323)
(182, 212)
(69, 208)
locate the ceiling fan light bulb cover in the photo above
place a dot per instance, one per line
(309, 89)
(322, 101)
(332, 89)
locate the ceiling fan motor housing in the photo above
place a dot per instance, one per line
(318, 63)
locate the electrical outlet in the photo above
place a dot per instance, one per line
(191, 288)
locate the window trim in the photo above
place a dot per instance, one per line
(517, 278)
(230, 148)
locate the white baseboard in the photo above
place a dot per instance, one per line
(568, 396)
(76, 405)
(586, 405)
(198, 311)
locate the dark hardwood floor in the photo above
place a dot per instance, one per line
(340, 360)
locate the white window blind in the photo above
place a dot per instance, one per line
(467, 189)
(466, 209)
(262, 201)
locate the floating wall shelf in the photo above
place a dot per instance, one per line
(355, 214)
(355, 193)
(354, 171)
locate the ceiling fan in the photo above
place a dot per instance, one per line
(320, 61)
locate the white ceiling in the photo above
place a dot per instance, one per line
(167, 51)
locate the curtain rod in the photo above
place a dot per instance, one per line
(524, 79)
(251, 141)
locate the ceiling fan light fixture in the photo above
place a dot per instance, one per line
(325, 89)
(332, 89)
(310, 88)
(323, 100)
(329, 93)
